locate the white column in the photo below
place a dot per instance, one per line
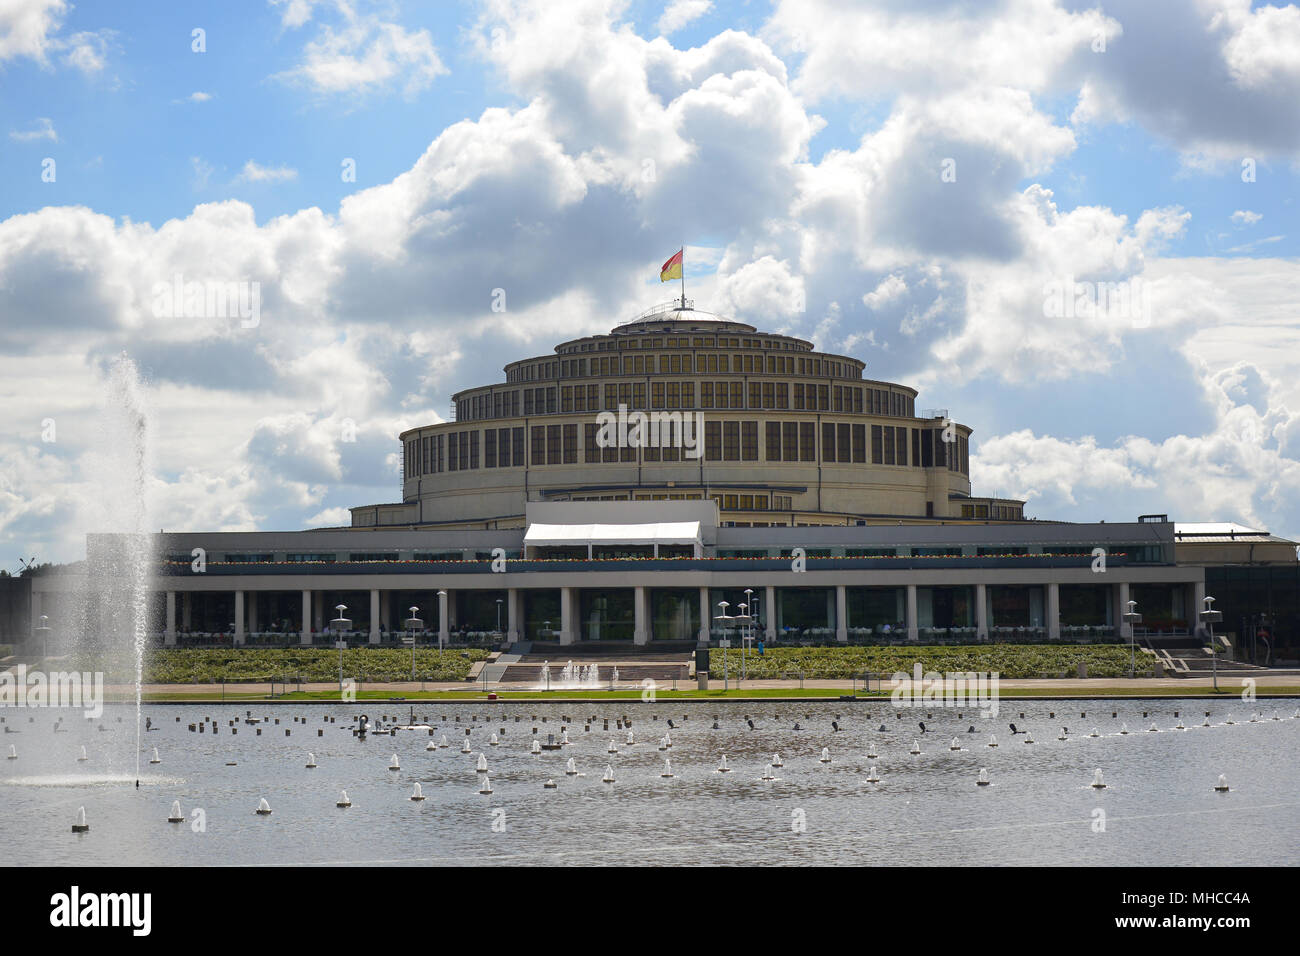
(841, 614)
(304, 635)
(566, 615)
(187, 611)
(769, 608)
(641, 611)
(169, 631)
(981, 612)
(912, 631)
(1053, 612)
(374, 616)
(318, 611)
(239, 617)
(1125, 629)
(444, 632)
(1198, 605)
(705, 619)
(386, 611)
(514, 615)
(252, 612)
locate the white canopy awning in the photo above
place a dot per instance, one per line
(671, 532)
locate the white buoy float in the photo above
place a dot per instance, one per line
(993, 740)
(482, 764)
(486, 785)
(872, 775)
(668, 769)
(263, 808)
(1097, 782)
(983, 780)
(549, 785)
(722, 765)
(916, 748)
(609, 774)
(176, 815)
(311, 761)
(418, 793)
(83, 755)
(155, 758)
(571, 768)
(955, 745)
(393, 764)
(81, 826)
(826, 755)
(343, 800)
(776, 760)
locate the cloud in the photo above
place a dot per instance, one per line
(362, 55)
(1244, 217)
(256, 173)
(679, 13)
(44, 129)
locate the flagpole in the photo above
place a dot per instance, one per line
(683, 276)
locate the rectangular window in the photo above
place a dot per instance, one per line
(859, 443)
(789, 441)
(473, 449)
(842, 442)
(798, 395)
(570, 444)
(453, 451)
(737, 395)
(877, 451)
(807, 441)
(900, 445)
(731, 441)
(782, 395)
(538, 456)
(706, 394)
(773, 442)
(927, 447)
(823, 397)
(940, 449)
(657, 395)
(590, 450)
(721, 396)
(916, 447)
(503, 448)
(554, 454)
(566, 399)
(688, 394)
(713, 441)
(749, 441)
(490, 448)
(755, 394)
(611, 397)
(674, 395)
(828, 442)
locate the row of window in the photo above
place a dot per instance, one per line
(797, 396)
(676, 363)
(997, 512)
(841, 442)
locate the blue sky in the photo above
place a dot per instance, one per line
(795, 146)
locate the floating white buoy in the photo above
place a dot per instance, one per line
(418, 794)
(983, 780)
(776, 760)
(1094, 733)
(13, 752)
(155, 758)
(1097, 782)
(826, 755)
(482, 763)
(443, 742)
(311, 761)
(1222, 785)
(549, 785)
(81, 826)
(343, 800)
(916, 747)
(571, 768)
(263, 808)
(668, 769)
(1153, 729)
(83, 755)
(609, 775)
(431, 746)
(493, 742)
(613, 748)
(393, 764)
(722, 765)
(954, 745)
(465, 747)
(1123, 728)
(872, 776)
(486, 786)
(176, 816)
(993, 740)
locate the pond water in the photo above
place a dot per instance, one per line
(1159, 806)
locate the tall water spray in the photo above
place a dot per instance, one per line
(121, 562)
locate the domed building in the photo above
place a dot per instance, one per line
(772, 430)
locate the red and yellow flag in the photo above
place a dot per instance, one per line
(672, 268)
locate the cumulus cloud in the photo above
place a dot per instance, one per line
(254, 172)
(679, 13)
(43, 129)
(1244, 217)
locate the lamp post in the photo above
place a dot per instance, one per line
(1131, 617)
(413, 624)
(442, 616)
(1208, 617)
(748, 637)
(498, 618)
(340, 625)
(725, 641)
(44, 632)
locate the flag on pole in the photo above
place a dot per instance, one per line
(672, 268)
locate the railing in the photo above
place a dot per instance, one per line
(660, 309)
